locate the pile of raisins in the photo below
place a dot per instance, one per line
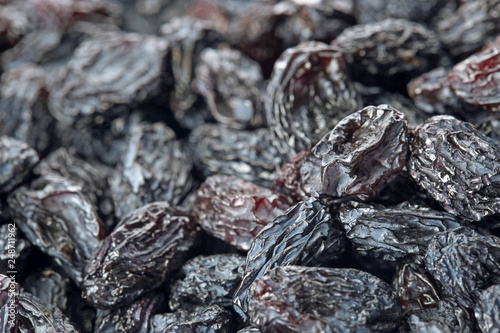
(228, 166)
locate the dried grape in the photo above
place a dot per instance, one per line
(141, 253)
(313, 299)
(235, 210)
(458, 166)
(308, 93)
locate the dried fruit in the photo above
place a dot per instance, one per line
(363, 153)
(416, 290)
(133, 318)
(56, 217)
(140, 254)
(16, 161)
(207, 280)
(155, 167)
(393, 48)
(92, 177)
(212, 319)
(476, 79)
(106, 73)
(487, 309)
(305, 234)
(464, 263)
(399, 233)
(235, 210)
(313, 299)
(23, 101)
(469, 26)
(458, 166)
(231, 84)
(248, 155)
(308, 93)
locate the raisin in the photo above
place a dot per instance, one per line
(248, 155)
(36, 316)
(131, 319)
(305, 234)
(23, 101)
(212, 319)
(416, 290)
(475, 80)
(155, 167)
(432, 93)
(393, 48)
(464, 263)
(458, 166)
(447, 316)
(466, 29)
(220, 275)
(187, 38)
(56, 217)
(308, 93)
(487, 309)
(107, 72)
(399, 233)
(16, 161)
(313, 299)
(49, 287)
(92, 177)
(363, 153)
(141, 253)
(230, 82)
(235, 210)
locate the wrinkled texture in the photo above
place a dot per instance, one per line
(92, 177)
(476, 80)
(56, 217)
(248, 155)
(464, 263)
(131, 319)
(313, 299)
(416, 290)
(49, 287)
(391, 48)
(235, 210)
(207, 280)
(432, 93)
(308, 93)
(305, 234)
(458, 166)
(487, 310)
(470, 25)
(359, 156)
(16, 161)
(106, 72)
(396, 233)
(231, 84)
(36, 316)
(142, 251)
(212, 319)
(446, 317)
(187, 38)
(23, 101)
(155, 167)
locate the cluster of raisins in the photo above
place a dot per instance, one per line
(256, 166)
